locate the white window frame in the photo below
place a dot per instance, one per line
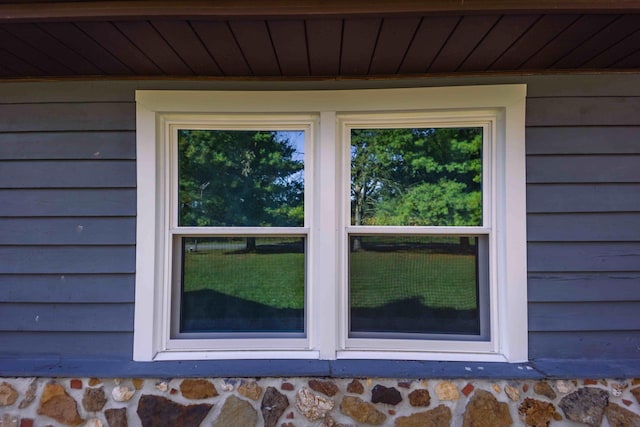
(501, 107)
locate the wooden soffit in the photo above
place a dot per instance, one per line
(314, 38)
(15, 11)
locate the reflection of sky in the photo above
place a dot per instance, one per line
(296, 139)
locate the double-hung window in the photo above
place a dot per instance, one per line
(331, 224)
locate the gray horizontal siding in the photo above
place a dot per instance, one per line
(594, 287)
(51, 346)
(68, 205)
(67, 259)
(67, 288)
(68, 174)
(583, 169)
(583, 198)
(81, 145)
(583, 140)
(579, 316)
(583, 226)
(583, 111)
(596, 345)
(67, 202)
(68, 231)
(66, 317)
(67, 117)
(600, 256)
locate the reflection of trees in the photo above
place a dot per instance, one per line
(416, 176)
(238, 178)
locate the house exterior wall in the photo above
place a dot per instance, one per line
(68, 206)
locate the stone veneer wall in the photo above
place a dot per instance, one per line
(298, 402)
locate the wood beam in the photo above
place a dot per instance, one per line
(53, 10)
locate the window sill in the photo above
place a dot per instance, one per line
(535, 370)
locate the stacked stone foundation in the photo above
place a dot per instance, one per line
(301, 402)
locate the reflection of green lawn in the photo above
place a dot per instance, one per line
(438, 280)
(275, 280)
(378, 278)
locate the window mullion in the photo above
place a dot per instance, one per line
(323, 258)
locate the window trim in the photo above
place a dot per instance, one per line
(509, 317)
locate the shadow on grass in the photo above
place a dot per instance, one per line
(212, 311)
(410, 315)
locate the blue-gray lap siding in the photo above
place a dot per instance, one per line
(68, 205)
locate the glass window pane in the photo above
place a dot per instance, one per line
(416, 176)
(247, 284)
(240, 178)
(415, 285)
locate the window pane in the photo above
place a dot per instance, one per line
(240, 178)
(248, 284)
(415, 285)
(405, 176)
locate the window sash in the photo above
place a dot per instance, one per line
(379, 345)
(241, 341)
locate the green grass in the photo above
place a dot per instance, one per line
(276, 279)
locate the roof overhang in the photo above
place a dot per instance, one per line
(314, 38)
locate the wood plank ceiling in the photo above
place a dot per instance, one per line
(318, 45)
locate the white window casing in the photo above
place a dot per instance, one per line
(326, 117)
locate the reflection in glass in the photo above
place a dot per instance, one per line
(240, 178)
(243, 284)
(416, 177)
(415, 285)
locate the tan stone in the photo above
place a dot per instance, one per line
(447, 391)
(94, 382)
(512, 392)
(440, 416)
(30, 395)
(496, 388)
(312, 405)
(621, 417)
(194, 389)
(536, 413)
(361, 411)
(122, 393)
(236, 412)
(57, 404)
(93, 399)
(565, 387)
(484, 410)
(250, 390)
(137, 383)
(8, 394)
(636, 393)
(9, 420)
(544, 389)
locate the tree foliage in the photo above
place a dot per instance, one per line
(239, 178)
(407, 176)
